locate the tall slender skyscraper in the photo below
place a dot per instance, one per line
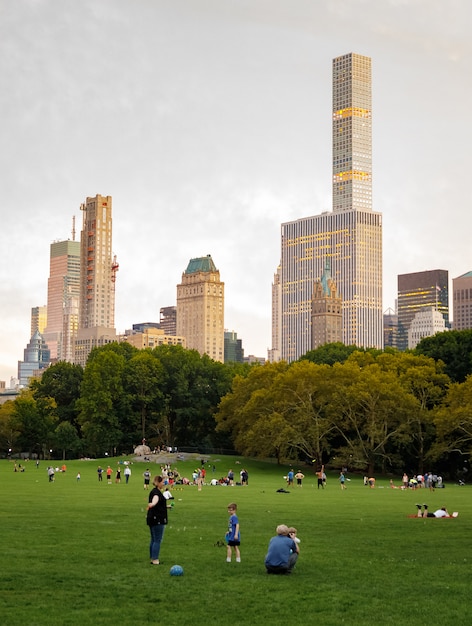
(98, 270)
(200, 308)
(274, 354)
(350, 236)
(352, 133)
(63, 290)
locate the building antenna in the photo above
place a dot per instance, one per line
(73, 228)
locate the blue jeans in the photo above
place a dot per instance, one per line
(283, 569)
(157, 532)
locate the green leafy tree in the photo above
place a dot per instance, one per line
(35, 421)
(269, 436)
(453, 420)
(302, 394)
(453, 348)
(143, 379)
(282, 411)
(247, 402)
(61, 382)
(8, 427)
(425, 379)
(102, 401)
(192, 388)
(371, 411)
(66, 438)
(329, 353)
(337, 352)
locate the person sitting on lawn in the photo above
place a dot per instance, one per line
(282, 553)
(168, 496)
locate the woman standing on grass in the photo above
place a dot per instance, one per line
(156, 518)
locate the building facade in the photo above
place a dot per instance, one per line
(200, 308)
(63, 297)
(326, 311)
(151, 337)
(426, 323)
(419, 291)
(98, 269)
(234, 351)
(462, 301)
(168, 319)
(350, 236)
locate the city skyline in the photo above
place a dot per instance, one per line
(209, 123)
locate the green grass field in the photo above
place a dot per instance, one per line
(77, 553)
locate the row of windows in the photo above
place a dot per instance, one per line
(463, 294)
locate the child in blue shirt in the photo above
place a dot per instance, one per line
(232, 536)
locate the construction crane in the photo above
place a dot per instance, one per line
(114, 268)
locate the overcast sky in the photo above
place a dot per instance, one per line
(209, 123)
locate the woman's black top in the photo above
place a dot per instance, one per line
(157, 514)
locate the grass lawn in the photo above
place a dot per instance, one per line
(77, 553)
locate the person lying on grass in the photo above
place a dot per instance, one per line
(442, 512)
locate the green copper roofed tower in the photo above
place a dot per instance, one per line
(326, 310)
(200, 308)
(202, 264)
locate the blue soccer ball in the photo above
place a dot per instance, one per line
(176, 570)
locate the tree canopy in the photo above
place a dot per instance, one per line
(365, 409)
(453, 348)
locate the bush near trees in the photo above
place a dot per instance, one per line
(370, 410)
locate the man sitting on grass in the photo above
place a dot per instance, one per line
(282, 553)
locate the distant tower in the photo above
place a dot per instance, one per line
(462, 301)
(35, 359)
(326, 311)
(200, 308)
(39, 315)
(390, 319)
(63, 288)
(98, 269)
(234, 351)
(351, 236)
(168, 319)
(417, 292)
(275, 353)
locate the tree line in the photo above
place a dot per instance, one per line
(369, 410)
(167, 395)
